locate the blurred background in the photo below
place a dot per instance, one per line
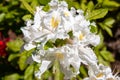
(14, 14)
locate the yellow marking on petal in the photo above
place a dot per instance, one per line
(81, 36)
(59, 55)
(110, 79)
(54, 22)
(66, 13)
(99, 75)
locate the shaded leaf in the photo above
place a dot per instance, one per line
(93, 29)
(109, 31)
(56, 71)
(109, 22)
(22, 60)
(102, 61)
(14, 76)
(15, 46)
(13, 56)
(44, 2)
(27, 6)
(29, 72)
(97, 14)
(2, 16)
(107, 55)
(90, 6)
(26, 17)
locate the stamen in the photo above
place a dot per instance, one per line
(99, 75)
(54, 22)
(66, 13)
(81, 36)
(59, 55)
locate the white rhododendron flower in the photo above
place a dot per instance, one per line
(66, 55)
(104, 73)
(72, 28)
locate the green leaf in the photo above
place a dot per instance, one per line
(118, 16)
(23, 59)
(2, 16)
(109, 31)
(102, 61)
(76, 5)
(15, 46)
(109, 3)
(56, 71)
(14, 76)
(46, 8)
(97, 14)
(60, 42)
(13, 56)
(109, 22)
(44, 2)
(107, 55)
(29, 72)
(90, 6)
(48, 45)
(83, 71)
(106, 28)
(46, 75)
(93, 29)
(35, 3)
(27, 17)
(27, 6)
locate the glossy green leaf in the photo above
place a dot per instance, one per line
(109, 3)
(102, 61)
(109, 31)
(44, 2)
(97, 14)
(2, 16)
(29, 72)
(83, 71)
(14, 76)
(15, 46)
(46, 74)
(46, 8)
(13, 56)
(109, 22)
(35, 3)
(107, 55)
(90, 6)
(76, 5)
(22, 60)
(93, 29)
(26, 17)
(48, 45)
(27, 6)
(56, 71)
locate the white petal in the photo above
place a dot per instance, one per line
(44, 66)
(29, 46)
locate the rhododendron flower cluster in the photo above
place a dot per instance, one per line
(56, 24)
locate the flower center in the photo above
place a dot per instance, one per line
(81, 36)
(99, 75)
(66, 13)
(59, 55)
(54, 22)
(110, 79)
